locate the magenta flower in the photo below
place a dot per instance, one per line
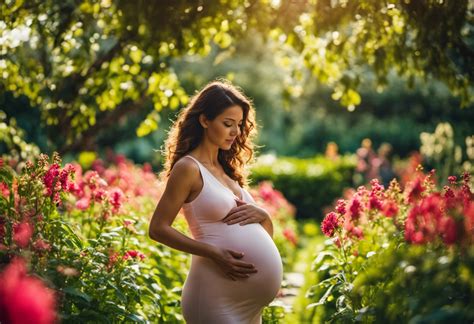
(341, 206)
(355, 208)
(133, 254)
(452, 179)
(83, 203)
(24, 299)
(116, 198)
(330, 224)
(22, 233)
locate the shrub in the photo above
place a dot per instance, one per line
(309, 184)
(398, 255)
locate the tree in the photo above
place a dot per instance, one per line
(87, 64)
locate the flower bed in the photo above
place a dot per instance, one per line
(397, 255)
(74, 244)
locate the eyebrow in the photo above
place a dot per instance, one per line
(231, 119)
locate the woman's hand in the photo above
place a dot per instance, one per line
(245, 214)
(233, 268)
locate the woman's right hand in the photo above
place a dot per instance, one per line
(228, 261)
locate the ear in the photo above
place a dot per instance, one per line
(203, 121)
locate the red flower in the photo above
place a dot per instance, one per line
(49, 179)
(290, 235)
(22, 234)
(113, 258)
(415, 190)
(24, 299)
(133, 254)
(448, 192)
(448, 230)
(374, 202)
(68, 169)
(341, 206)
(390, 208)
(116, 199)
(83, 203)
(355, 208)
(4, 190)
(40, 245)
(452, 179)
(100, 195)
(329, 224)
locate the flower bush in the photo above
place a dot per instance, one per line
(84, 242)
(397, 255)
(74, 244)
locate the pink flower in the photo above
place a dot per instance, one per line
(100, 195)
(22, 233)
(4, 190)
(133, 254)
(355, 208)
(390, 208)
(415, 190)
(24, 299)
(40, 245)
(113, 259)
(64, 175)
(448, 192)
(329, 224)
(448, 230)
(374, 202)
(357, 232)
(83, 203)
(116, 198)
(452, 179)
(341, 206)
(147, 167)
(290, 235)
(49, 179)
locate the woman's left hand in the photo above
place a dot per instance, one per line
(245, 214)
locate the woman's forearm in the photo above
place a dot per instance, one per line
(177, 240)
(268, 226)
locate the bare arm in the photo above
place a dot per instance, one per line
(268, 225)
(180, 183)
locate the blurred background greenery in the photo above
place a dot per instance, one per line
(89, 77)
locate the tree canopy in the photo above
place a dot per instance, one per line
(87, 64)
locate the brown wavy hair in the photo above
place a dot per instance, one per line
(187, 132)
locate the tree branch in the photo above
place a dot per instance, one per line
(87, 138)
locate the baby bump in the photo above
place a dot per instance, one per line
(259, 249)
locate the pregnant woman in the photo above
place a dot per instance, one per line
(236, 269)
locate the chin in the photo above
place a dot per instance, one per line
(226, 147)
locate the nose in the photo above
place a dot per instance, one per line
(235, 130)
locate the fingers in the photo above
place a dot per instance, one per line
(230, 217)
(237, 220)
(236, 254)
(243, 264)
(233, 210)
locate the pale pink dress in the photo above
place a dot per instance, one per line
(209, 296)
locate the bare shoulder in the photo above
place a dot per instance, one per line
(185, 170)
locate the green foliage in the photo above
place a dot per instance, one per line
(442, 153)
(90, 65)
(396, 256)
(309, 184)
(13, 140)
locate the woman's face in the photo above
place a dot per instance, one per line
(223, 130)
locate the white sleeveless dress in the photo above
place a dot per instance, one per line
(209, 296)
